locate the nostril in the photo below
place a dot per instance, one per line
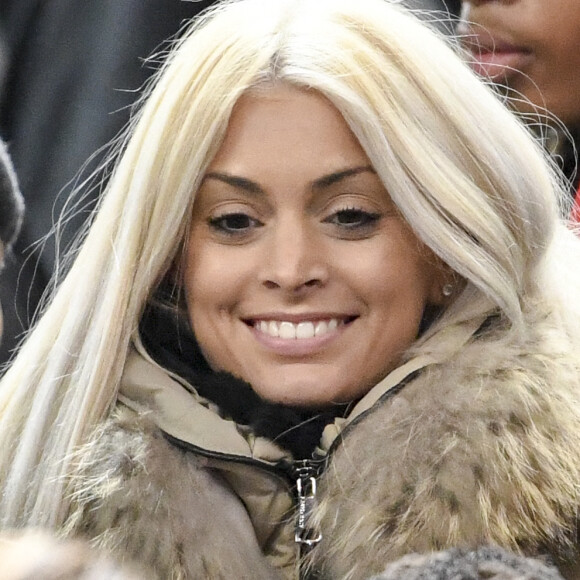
(313, 282)
(270, 284)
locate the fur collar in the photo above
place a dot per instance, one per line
(481, 449)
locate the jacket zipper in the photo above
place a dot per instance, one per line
(307, 534)
(301, 475)
(304, 473)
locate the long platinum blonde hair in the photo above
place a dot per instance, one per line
(465, 175)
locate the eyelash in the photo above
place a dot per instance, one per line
(364, 221)
(219, 223)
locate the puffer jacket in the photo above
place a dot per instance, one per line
(480, 445)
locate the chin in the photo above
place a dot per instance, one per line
(304, 395)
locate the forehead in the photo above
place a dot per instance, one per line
(284, 125)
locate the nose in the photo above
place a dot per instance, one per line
(295, 259)
(464, 12)
(467, 4)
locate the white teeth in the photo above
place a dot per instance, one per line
(287, 330)
(290, 331)
(273, 328)
(321, 328)
(305, 330)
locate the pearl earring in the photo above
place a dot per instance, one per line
(447, 290)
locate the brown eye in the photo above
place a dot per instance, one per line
(233, 223)
(353, 218)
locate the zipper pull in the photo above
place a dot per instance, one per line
(305, 472)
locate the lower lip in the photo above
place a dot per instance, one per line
(298, 347)
(500, 65)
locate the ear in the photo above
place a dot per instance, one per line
(444, 286)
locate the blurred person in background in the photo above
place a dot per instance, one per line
(531, 50)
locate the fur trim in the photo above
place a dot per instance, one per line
(483, 449)
(139, 498)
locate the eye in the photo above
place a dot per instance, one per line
(352, 218)
(234, 223)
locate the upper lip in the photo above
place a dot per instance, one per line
(299, 317)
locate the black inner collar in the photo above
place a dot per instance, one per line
(169, 340)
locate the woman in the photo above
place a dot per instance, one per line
(531, 49)
(322, 319)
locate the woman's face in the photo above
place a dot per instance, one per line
(300, 276)
(533, 46)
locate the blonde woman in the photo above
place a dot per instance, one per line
(325, 316)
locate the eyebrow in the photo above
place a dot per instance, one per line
(253, 188)
(338, 176)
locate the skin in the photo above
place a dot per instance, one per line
(540, 43)
(292, 224)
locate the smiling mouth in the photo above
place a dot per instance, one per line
(287, 330)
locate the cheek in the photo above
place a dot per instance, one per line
(203, 280)
(201, 276)
(214, 280)
(559, 50)
(208, 273)
(402, 272)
